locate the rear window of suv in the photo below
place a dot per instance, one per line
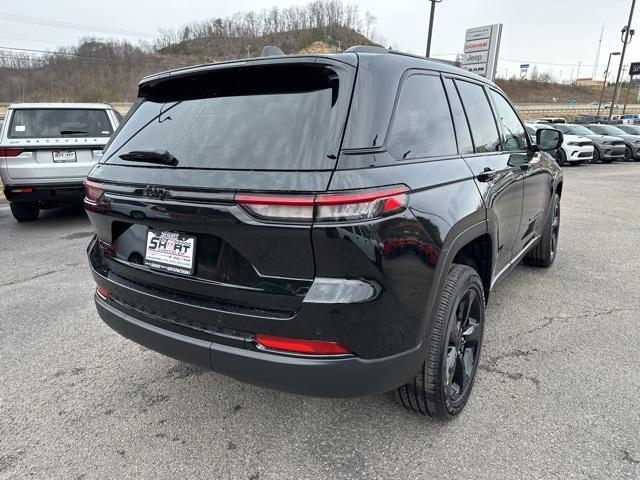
(59, 123)
(248, 118)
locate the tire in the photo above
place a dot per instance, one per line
(561, 157)
(24, 212)
(596, 155)
(544, 253)
(435, 391)
(628, 154)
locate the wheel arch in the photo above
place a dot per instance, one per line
(472, 246)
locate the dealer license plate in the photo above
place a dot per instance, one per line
(64, 156)
(171, 252)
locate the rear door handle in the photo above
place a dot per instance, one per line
(486, 175)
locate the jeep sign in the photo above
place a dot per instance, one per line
(481, 50)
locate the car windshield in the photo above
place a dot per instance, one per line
(611, 130)
(577, 130)
(59, 123)
(631, 129)
(607, 130)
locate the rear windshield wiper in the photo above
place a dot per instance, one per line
(73, 132)
(150, 156)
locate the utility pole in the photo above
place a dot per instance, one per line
(626, 97)
(604, 82)
(578, 73)
(626, 31)
(431, 15)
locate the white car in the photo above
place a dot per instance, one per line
(47, 150)
(575, 149)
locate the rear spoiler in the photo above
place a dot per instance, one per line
(155, 79)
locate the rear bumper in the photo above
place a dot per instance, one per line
(323, 377)
(64, 193)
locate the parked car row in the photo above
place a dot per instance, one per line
(626, 119)
(594, 142)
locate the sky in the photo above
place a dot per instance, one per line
(555, 35)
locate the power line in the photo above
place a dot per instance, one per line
(70, 25)
(90, 59)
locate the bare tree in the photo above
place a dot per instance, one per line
(369, 21)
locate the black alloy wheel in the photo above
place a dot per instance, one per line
(442, 386)
(463, 349)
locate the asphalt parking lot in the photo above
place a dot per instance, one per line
(556, 397)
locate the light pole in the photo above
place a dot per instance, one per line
(604, 82)
(626, 32)
(433, 12)
(626, 97)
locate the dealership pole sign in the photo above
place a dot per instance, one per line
(481, 47)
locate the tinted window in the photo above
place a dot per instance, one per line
(483, 125)
(272, 118)
(58, 123)
(515, 137)
(422, 124)
(465, 145)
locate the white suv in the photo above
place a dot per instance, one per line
(574, 150)
(47, 150)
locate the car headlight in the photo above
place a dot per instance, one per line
(606, 143)
(636, 142)
(572, 144)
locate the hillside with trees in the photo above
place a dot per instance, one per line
(109, 70)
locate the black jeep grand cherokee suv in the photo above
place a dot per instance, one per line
(328, 225)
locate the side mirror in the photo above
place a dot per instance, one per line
(548, 139)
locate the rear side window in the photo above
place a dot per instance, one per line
(268, 118)
(422, 123)
(515, 136)
(59, 123)
(465, 145)
(483, 124)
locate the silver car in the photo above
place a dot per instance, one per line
(47, 150)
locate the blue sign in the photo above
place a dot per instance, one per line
(524, 66)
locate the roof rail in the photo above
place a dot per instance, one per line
(366, 49)
(270, 51)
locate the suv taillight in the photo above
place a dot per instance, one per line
(93, 196)
(326, 207)
(10, 151)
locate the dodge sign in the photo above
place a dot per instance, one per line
(481, 50)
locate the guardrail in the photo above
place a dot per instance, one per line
(573, 109)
